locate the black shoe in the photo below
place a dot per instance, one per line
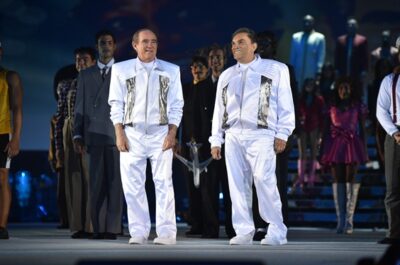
(259, 235)
(389, 241)
(110, 236)
(62, 226)
(4, 233)
(97, 236)
(193, 232)
(80, 235)
(209, 236)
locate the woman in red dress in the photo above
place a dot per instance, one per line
(310, 115)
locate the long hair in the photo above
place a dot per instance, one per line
(355, 86)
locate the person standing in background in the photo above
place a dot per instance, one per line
(307, 53)
(388, 115)
(75, 170)
(11, 94)
(94, 136)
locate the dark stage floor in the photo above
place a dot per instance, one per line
(44, 244)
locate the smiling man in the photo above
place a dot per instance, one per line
(254, 110)
(146, 109)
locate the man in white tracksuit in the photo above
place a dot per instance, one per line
(146, 109)
(254, 109)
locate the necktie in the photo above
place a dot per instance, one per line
(104, 72)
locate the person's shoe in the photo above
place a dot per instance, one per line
(137, 240)
(193, 232)
(164, 241)
(273, 241)
(209, 236)
(389, 241)
(242, 240)
(4, 233)
(62, 226)
(80, 235)
(110, 236)
(96, 236)
(260, 234)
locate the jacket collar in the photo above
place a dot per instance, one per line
(253, 64)
(157, 65)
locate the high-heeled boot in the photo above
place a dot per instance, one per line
(339, 197)
(352, 190)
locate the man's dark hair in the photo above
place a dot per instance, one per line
(266, 38)
(89, 50)
(250, 33)
(355, 85)
(199, 59)
(105, 32)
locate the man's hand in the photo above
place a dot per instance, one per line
(216, 153)
(59, 158)
(170, 139)
(78, 146)
(279, 145)
(121, 140)
(12, 148)
(169, 142)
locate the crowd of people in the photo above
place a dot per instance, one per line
(112, 117)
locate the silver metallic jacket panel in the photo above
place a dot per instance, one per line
(130, 99)
(225, 102)
(164, 86)
(263, 103)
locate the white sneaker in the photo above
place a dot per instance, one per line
(242, 240)
(273, 241)
(164, 241)
(137, 240)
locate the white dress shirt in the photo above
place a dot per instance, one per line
(384, 106)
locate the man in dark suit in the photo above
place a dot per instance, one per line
(196, 125)
(94, 135)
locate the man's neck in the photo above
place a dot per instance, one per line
(105, 61)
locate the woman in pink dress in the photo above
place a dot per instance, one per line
(344, 148)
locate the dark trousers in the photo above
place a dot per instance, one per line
(203, 209)
(61, 198)
(105, 189)
(392, 199)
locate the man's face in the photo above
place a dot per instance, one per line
(265, 48)
(216, 60)
(308, 23)
(242, 48)
(146, 46)
(106, 46)
(83, 61)
(199, 71)
(352, 26)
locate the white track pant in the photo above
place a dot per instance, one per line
(133, 176)
(251, 159)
